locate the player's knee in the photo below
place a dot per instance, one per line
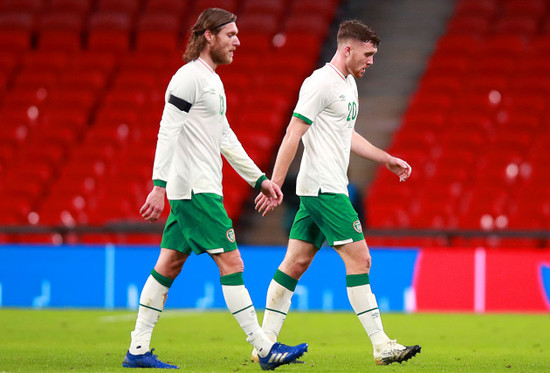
(173, 268)
(297, 266)
(238, 266)
(364, 264)
(231, 266)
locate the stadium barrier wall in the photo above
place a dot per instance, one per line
(403, 279)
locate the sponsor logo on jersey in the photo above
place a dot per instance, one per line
(230, 235)
(357, 226)
(342, 97)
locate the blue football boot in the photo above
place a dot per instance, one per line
(147, 360)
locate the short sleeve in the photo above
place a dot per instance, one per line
(312, 100)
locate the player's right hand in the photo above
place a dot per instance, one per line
(270, 197)
(154, 204)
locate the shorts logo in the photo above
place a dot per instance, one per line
(230, 235)
(357, 226)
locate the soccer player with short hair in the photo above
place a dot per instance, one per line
(324, 119)
(193, 135)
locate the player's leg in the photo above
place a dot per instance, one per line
(151, 304)
(304, 242)
(154, 294)
(240, 305)
(357, 260)
(298, 258)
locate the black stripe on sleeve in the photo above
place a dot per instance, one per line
(180, 103)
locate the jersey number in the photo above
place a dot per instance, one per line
(352, 111)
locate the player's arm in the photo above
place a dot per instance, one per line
(233, 151)
(364, 149)
(287, 151)
(176, 109)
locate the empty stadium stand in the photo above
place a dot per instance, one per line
(476, 130)
(82, 90)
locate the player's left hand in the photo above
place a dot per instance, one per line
(400, 168)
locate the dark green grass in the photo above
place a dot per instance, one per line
(96, 341)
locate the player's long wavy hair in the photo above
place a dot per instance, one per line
(210, 19)
(357, 30)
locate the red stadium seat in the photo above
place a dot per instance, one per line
(540, 46)
(308, 45)
(502, 44)
(275, 7)
(528, 8)
(313, 24)
(531, 84)
(33, 79)
(486, 8)
(252, 45)
(78, 98)
(158, 33)
(453, 44)
(127, 7)
(32, 6)
(167, 6)
(443, 63)
(60, 30)
(229, 5)
(53, 61)
(518, 25)
(16, 209)
(94, 61)
(266, 24)
(109, 32)
(81, 78)
(470, 24)
(325, 9)
(80, 7)
(438, 84)
(15, 31)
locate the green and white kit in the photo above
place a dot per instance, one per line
(328, 102)
(194, 133)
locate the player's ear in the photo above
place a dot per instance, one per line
(347, 50)
(209, 36)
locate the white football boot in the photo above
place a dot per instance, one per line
(393, 352)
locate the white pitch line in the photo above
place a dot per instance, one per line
(166, 314)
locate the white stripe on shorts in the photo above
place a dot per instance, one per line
(215, 251)
(343, 242)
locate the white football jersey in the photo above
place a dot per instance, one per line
(193, 134)
(329, 102)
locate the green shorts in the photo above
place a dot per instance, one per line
(328, 216)
(199, 224)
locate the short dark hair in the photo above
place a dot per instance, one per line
(355, 29)
(210, 19)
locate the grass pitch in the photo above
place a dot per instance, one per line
(96, 341)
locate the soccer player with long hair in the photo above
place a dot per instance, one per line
(194, 133)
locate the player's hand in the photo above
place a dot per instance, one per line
(400, 168)
(265, 204)
(270, 197)
(154, 204)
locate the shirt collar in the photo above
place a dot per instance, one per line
(206, 65)
(337, 71)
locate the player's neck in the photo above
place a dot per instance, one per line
(339, 62)
(205, 56)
